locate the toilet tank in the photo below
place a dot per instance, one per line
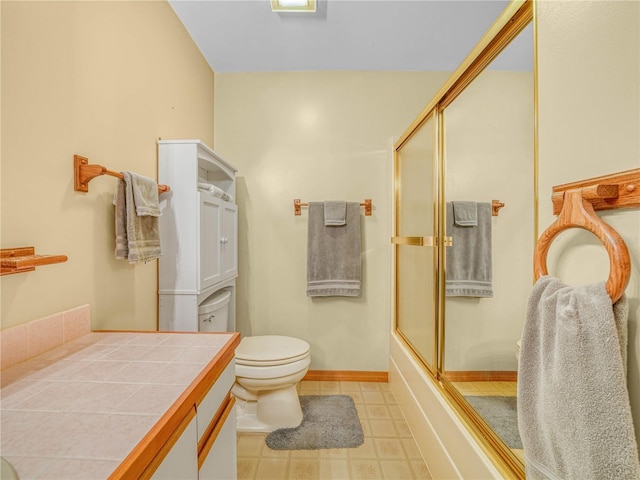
(213, 312)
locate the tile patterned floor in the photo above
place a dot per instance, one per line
(389, 451)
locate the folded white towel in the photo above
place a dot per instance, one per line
(215, 191)
(212, 189)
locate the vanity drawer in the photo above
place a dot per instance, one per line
(214, 398)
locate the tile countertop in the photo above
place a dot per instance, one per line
(78, 410)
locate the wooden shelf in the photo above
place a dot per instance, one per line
(618, 190)
(24, 259)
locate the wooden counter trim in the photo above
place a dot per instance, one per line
(345, 376)
(211, 434)
(144, 453)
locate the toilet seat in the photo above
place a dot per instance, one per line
(271, 350)
(273, 372)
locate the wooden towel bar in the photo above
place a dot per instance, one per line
(578, 212)
(297, 205)
(84, 173)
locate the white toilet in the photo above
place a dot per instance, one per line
(268, 368)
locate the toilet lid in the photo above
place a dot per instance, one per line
(270, 350)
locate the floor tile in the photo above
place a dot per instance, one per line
(271, 468)
(334, 469)
(366, 470)
(303, 470)
(397, 470)
(247, 468)
(389, 451)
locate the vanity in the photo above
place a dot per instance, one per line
(123, 405)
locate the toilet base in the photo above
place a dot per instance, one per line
(273, 409)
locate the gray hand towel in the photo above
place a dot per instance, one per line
(335, 213)
(574, 414)
(469, 261)
(333, 254)
(465, 214)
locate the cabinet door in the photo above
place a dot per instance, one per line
(228, 241)
(210, 246)
(181, 462)
(219, 460)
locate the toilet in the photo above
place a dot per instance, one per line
(268, 369)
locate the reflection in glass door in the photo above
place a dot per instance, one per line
(415, 250)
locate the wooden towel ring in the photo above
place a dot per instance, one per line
(578, 212)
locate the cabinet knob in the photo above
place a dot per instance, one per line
(224, 240)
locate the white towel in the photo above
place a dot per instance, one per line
(215, 191)
(574, 414)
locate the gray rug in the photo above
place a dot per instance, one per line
(329, 421)
(501, 414)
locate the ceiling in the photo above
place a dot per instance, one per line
(396, 35)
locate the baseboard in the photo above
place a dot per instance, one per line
(345, 376)
(482, 376)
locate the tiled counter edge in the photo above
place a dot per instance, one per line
(122, 395)
(142, 456)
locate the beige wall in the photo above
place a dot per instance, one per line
(589, 113)
(103, 80)
(315, 136)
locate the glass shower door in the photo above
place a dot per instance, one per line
(415, 252)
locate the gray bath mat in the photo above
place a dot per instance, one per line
(329, 421)
(501, 414)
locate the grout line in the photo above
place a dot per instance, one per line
(412, 465)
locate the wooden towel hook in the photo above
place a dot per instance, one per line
(578, 212)
(83, 173)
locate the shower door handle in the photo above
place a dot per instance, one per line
(421, 241)
(415, 241)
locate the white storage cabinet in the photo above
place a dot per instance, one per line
(198, 233)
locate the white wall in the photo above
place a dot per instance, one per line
(315, 136)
